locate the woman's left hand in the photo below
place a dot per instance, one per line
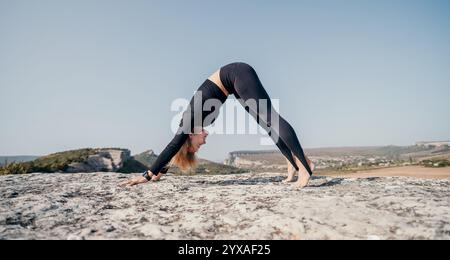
(156, 177)
(139, 180)
(134, 181)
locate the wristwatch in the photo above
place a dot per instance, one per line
(147, 176)
(164, 170)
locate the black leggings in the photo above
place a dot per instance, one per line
(241, 80)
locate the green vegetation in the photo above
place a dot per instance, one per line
(60, 161)
(213, 168)
(57, 162)
(435, 163)
(12, 168)
(353, 167)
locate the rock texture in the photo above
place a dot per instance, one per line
(108, 160)
(245, 206)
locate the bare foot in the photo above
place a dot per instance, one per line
(303, 176)
(303, 179)
(291, 173)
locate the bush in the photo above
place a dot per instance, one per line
(436, 163)
(58, 162)
(13, 168)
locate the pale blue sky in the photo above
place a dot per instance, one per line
(98, 73)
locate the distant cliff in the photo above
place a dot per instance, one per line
(81, 160)
(106, 160)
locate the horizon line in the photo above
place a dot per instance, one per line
(272, 150)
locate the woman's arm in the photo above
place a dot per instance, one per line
(185, 127)
(161, 163)
(160, 166)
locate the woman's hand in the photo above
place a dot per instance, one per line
(134, 181)
(156, 177)
(139, 180)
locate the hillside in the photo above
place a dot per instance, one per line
(105, 160)
(347, 158)
(334, 158)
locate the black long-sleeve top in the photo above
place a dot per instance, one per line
(208, 93)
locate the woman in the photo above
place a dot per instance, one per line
(241, 80)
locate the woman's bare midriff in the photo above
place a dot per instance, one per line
(215, 77)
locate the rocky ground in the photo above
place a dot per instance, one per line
(246, 206)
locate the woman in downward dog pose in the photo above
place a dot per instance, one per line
(241, 80)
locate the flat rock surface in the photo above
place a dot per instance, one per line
(245, 206)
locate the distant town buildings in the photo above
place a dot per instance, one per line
(436, 144)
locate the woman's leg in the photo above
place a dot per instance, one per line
(251, 93)
(262, 122)
(291, 172)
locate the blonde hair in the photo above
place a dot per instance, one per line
(184, 159)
